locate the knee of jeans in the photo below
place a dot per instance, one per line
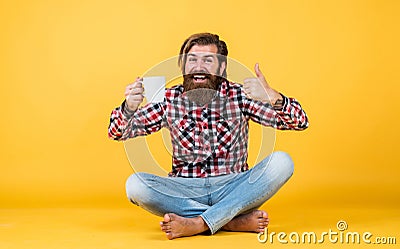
(136, 187)
(284, 163)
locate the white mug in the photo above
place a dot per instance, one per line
(154, 88)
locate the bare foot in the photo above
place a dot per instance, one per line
(255, 221)
(176, 226)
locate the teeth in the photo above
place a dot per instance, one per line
(200, 77)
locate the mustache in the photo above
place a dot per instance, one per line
(200, 73)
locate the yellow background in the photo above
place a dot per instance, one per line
(64, 66)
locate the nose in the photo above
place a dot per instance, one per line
(199, 65)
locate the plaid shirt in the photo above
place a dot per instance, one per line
(207, 140)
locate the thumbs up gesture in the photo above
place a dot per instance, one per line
(259, 89)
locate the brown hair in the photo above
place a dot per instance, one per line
(203, 39)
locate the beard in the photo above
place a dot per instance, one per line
(212, 81)
(201, 93)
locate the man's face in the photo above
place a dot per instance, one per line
(202, 68)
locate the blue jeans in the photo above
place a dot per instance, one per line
(216, 199)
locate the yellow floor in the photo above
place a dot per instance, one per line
(131, 227)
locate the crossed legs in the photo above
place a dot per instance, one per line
(189, 208)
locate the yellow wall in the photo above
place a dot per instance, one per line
(64, 66)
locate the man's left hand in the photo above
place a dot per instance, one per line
(259, 89)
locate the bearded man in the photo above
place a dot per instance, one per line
(210, 186)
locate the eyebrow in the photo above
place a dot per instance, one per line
(207, 55)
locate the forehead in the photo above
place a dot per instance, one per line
(203, 49)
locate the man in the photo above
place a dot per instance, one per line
(210, 186)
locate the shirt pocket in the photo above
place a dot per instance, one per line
(183, 135)
(223, 138)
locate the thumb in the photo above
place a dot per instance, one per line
(259, 74)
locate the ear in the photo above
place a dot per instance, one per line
(222, 68)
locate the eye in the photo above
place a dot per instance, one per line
(192, 59)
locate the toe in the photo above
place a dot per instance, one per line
(260, 230)
(166, 228)
(264, 214)
(169, 235)
(167, 217)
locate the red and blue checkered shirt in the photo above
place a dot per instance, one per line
(208, 140)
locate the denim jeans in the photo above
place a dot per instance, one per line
(216, 199)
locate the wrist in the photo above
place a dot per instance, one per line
(127, 110)
(278, 99)
(273, 97)
(279, 103)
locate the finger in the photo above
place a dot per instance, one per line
(246, 86)
(135, 98)
(136, 91)
(249, 80)
(250, 88)
(138, 79)
(259, 74)
(128, 88)
(137, 84)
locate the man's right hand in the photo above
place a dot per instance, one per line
(134, 94)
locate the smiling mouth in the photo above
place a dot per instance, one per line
(200, 78)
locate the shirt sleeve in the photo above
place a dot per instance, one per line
(125, 124)
(290, 117)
